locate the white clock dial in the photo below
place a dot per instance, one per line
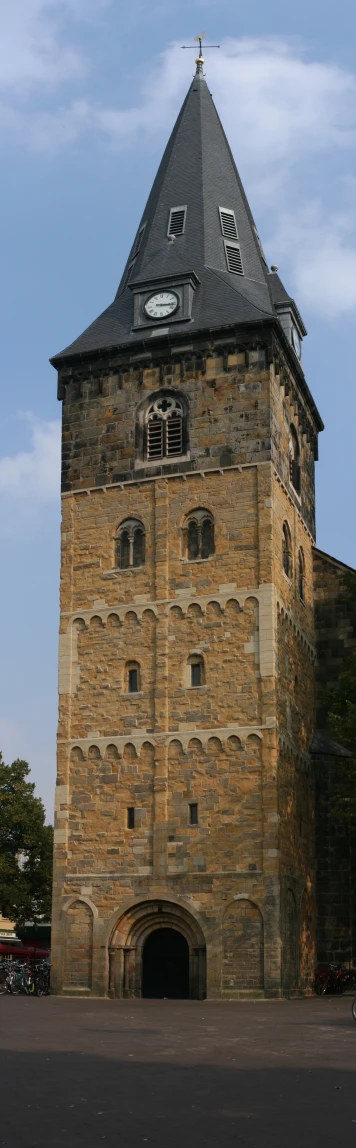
(160, 305)
(296, 342)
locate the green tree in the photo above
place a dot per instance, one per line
(26, 847)
(342, 720)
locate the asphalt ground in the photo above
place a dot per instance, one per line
(171, 1074)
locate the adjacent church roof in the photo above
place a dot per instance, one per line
(196, 221)
(322, 744)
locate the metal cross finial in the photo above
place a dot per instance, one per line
(200, 60)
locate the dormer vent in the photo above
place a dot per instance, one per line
(233, 258)
(177, 218)
(129, 272)
(139, 239)
(228, 223)
(260, 248)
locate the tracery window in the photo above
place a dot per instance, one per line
(287, 551)
(198, 533)
(294, 459)
(165, 427)
(301, 575)
(130, 544)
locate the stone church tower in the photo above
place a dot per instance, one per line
(184, 839)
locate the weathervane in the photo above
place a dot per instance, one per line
(200, 60)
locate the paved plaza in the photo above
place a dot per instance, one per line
(167, 1074)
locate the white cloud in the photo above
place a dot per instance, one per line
(323, 258)
(275, 103)
(286, 116)
(35, 48)
(33, 474)
(30, 48)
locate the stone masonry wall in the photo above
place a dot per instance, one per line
(170, 745)
(335, 624)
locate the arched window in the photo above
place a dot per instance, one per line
(133, 678)
(301, 575)
(195, 671)
(165, 427)
(130, 544)
(287, 551)
(294, 460)
(199, 535)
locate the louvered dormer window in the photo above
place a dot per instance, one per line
(177, 218)
(165, 428)
(139, 239)
(129, 272)
(232, 246)
(228, 223)
(233, 258)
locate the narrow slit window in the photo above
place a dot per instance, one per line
(124, 550)
(133, 680)
(193, 540)
(131, 817)
(138, 549)
(233, 258)
(228, 223)
(294, 459)
(193, 813)
(196, 673)
(301, 576)
(207, 538)
(177, 218)
(287, 550)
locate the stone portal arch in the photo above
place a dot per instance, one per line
(128, 938)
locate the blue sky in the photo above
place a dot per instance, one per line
(89, 91)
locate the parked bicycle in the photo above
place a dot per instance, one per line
(334, 978)
(20, 977)
(42, 973)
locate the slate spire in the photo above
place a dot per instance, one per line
(217, 243)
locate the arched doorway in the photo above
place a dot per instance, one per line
(165, 965)
(157, 949)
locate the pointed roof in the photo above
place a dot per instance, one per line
(198, 171)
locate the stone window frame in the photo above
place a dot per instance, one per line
(193, 817)
(287, 552)
(141, 423)
(131, 666)
(132, 527)
(194, 659)
(294, 460)
(198, 517)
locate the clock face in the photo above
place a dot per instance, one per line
(296, 342)
(160, 305)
